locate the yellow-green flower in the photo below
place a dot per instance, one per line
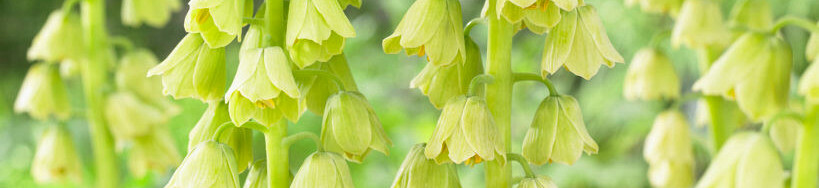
(759, 67)
(537, 182)
(155, 152)
(257, 176)
(670, 7)
(193, 70)
(59, 39)
(209, 164)
(130, 76)
(350, 127)
(239, 139)
(557, 133)
(753, 14)
(784, 132)
(316, 30)
(345, 3)
(56, 159)
(537, 15)
(151, 12)
(747, 160)
(419, 172)
(43, 94)
(700, 25)
(219, 21)
(669, 152)
(467, 132)
(432, 28)
(579, 43)
(441, 84)
(809, 83)
(128, 117)
(651, 76)
(323, 170)
(321, 88)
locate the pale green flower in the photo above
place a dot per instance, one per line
(209, 164)
(130, 76)
(56, 159)
(43, 94)
(759, 67)
(321, 88)
(193, 70)
(351, 127)
(669, 152)
(59, 39)
(537, 15)
(419, 172)
(441, 84)
(700, 25)
(567, 5)
(151, 12)
(753, 14)
(579, 43)
(537, 182)
(812, 48)
(784, 132)
(316, 30)
(558, 133)
(467, 132)
(219, 21)
(433, 28)
(671, 174)
(70, 68)
(239, 139)
(809, 83)
(747, 160)
(651, 76)
(128, 117)
(323, 170)
(155, 152)
(670, 7)
(257, 176)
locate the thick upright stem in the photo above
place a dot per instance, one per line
(93, 79)
(278, 163)
(721, 126)
(499, 94)
(274, 15)
(806, 165)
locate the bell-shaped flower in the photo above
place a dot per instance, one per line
(130, 76)
(784, 132)
(43, 94)
(193, 70)
(669, 152)
(441, 84)
(431, 27)
(239, 139)
(747, 160)
(56, 159)
(670, 7)
(218, 21)
(418, 171)
(128, 117)
(60, 38)
(257, 176)
(752, 14)
(350, 127)
(209, 164)
(812, 48)
(537, 182)
(759, 67)
(558, 133)
(467, 132)
(153, 153)
(809, 83)
(345, 3)
(151, 12)
(579, 43)
(316, 30)
(700, 25)
(323, 169)
(321, 88)
(651, 76)
(537, 15)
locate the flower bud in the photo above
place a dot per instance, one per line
(441, 84)
(155, 152)
(152, 12)
(669, 151)
(323, 169)
(699, 25)
(537, 15)
(59, 39)
(257, 176)
(760, 67)
(193, 70)
(129, 118)
(217, 21)
(56, 158)
(419, 172)
(239, 139)
(350, 127)
(43, 94)
(651, 76)
(321, 88)
(753, 14)
(579, 42)
(557, 133)
(316, 30)
(809, 83)
(537, 182)
(431, 27)
(130, 76)
(746, 160)
(670, 7)
(209, 164)
(784, 132)
(466, 131)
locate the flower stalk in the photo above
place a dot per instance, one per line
(278, 163)
(806, 165)
(795, 21)
(534, 77)
(499, 94)
(523, 164)
(720, 130)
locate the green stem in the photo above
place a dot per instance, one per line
(796, 21)
(806, 165)
(477, 82)
(93, 78)
(254, 21)
(290, 140)
(472, 23)
(499, 94)
(534, 77)
(720, 126)
(274, 15)
(278, 163)
(523, 163)
(322, 73)
(222, 128)
(122, 42)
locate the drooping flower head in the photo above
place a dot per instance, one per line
(809, 83)
(59, 39)
(417, 171)
(316, 31)
(537, 15)
(130, 77)
(151, 12)
(466, 132)
(746, 160)
(129, 118)
(669, 152)
(257, 176)
(670, 7)
(56, 159)
(752, 14)
(784, 132)
(558, 133)
(323, 169)
(351, 127)
(218, 21)
(321, 88)
(651, 76)
(537, 182)
(432, 28)
(154, 152)
(209, 164)
(193, 70)
(239, 139)
(43, 94)
(700, 25)
(442, 83)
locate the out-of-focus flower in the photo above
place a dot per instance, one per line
(239, 139)
(441, 84)
(257, 176)
(323, 169)
(130, 76)
(558, 133)
(350, 127)
(466, 131)
(784, 132)
(59, 39)
(431, 27)
(759, 67)
(43, 94)
(218, 21)
(128, 117)
(209, 164)
(651, 76)
(193, 70)
(809, 83)
(418, 172)
(812, 48)
(151, 12)
(670, 7)
(155, 152)
(316, 30)
(537, 182)
(579, 43)
(747, 160)
(56, 159)
(669, 151)
(753, 14)
(700, 25)
(537, 15)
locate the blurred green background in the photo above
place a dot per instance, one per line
(617, 125)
